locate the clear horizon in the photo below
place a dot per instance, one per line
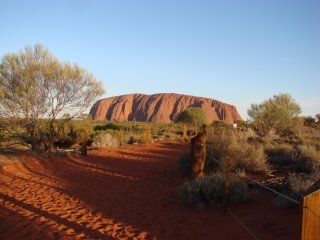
(237, 52)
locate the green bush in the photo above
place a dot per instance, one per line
(309, 157)
(309, 121)
(221, 124)
(209, 190)
(193, 116)
(224, 144)
(136, 139)
(280, 155)
(300, 158)
(65, 142)
(110, 125)
(67, 137)
(279, 113)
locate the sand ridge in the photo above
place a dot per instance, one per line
(123, 193)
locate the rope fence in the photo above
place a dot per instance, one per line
(267, 188)
(313, 201)
(271, 190)
(261, 185)
(242, 224)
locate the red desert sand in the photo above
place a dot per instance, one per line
(124, 193)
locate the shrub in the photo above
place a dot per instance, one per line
(110, 125)
(280, 155)
(243, 124)
(221, 124)
(277, 113)
(309, 121)
(301, 158)
(224, 144)
(68, 136)
(210, 191)
(104, 140)
(270, 137)
(194, 116)
(64, 142)
(295, 188)
(136, 139)
(309, 157)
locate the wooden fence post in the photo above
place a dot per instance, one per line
(311, 217)
(121, 137)
(227, 185)
(147, 135)
(184, 133)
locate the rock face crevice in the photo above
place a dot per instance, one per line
(162, 107)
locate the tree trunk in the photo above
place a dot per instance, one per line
(84, 150)
(84, 142)
(35, 145)
(49, 148)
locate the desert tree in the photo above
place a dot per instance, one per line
(278, 113)
(193, 116)
(37, 90)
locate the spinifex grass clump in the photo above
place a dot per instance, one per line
(224, 143)
(295, 188)
(209, 190)
(299, 158)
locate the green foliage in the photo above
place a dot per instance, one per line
(37, 90)
(107, 126)
(277, 113)
(136, 139)
(210, 191)
(135, 132)
(280, 155)
(243, 124)
(300, 158)
(193, 116)
(309, 121)
(224, 144)
(309, 157)
(68, 136)
(221, 124)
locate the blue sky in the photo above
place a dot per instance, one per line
(239, 52)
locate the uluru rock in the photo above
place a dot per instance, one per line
(162, 107)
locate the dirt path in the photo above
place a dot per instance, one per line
(125, 193)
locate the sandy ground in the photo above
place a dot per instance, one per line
(124, 193)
